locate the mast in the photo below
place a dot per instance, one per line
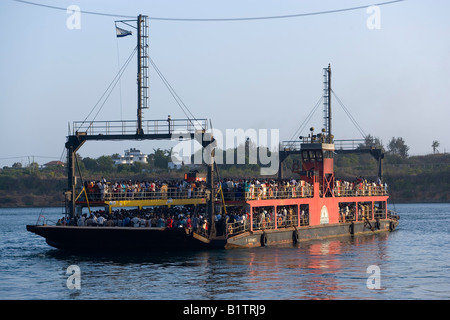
(142, 69)
(327, 102)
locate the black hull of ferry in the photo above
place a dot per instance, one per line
(121, 239)
(292, 235)
(127, 239)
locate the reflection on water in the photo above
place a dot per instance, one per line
(312, 270)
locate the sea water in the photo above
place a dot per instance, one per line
(411, 263)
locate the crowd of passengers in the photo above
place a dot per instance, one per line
(258, 188)
(235, 219)
(146, 217)
(360, 186)
(233, 189)
(161, 217)
(148, 189)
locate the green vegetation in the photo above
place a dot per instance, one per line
(31, 186)
(410, 178)
(414, 179)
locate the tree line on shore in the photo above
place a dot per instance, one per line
(410, 178)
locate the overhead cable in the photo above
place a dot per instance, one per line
(296, 15)
(361, 131)
(302, 126)
(110, 88)
(177, 98)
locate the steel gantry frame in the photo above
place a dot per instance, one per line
(170, 129)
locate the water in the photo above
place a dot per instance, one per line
(413, 262)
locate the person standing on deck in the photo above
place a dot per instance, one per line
(169, 222)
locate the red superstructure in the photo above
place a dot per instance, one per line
(319, 205)
(316, 206)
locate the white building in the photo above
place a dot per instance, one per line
(131, 156)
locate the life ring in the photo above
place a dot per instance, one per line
(391, 226)
(230, 229)
(295, 236)
(264, 240)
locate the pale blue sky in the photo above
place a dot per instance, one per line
(243, 74)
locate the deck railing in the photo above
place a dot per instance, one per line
(264, 193)
(234, 228)
(353, 144)
(360, 190)
(268, 223)
(162, 194)
(253, 193)
(128, 127)
(379, 213)
(293, 145)
(392, 215)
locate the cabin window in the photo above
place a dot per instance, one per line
(263, 217)
(305, 156)
(304, 215)
(287, 216)
(328, 154)
(364, 211)
(347, 211)
(319, 155)
(380, 209)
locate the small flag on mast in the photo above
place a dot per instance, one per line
(122, 33)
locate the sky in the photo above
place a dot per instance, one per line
(390, 69)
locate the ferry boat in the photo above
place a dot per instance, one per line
(277, 212)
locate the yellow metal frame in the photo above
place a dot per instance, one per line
(153, 203)
(87, 199)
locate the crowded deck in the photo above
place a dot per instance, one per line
(229, 190)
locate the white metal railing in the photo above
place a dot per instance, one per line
(351, 190)
(160, 194)
(253, 193)
(265, 193)
(127, 127)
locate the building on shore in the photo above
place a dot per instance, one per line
(131, 156)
